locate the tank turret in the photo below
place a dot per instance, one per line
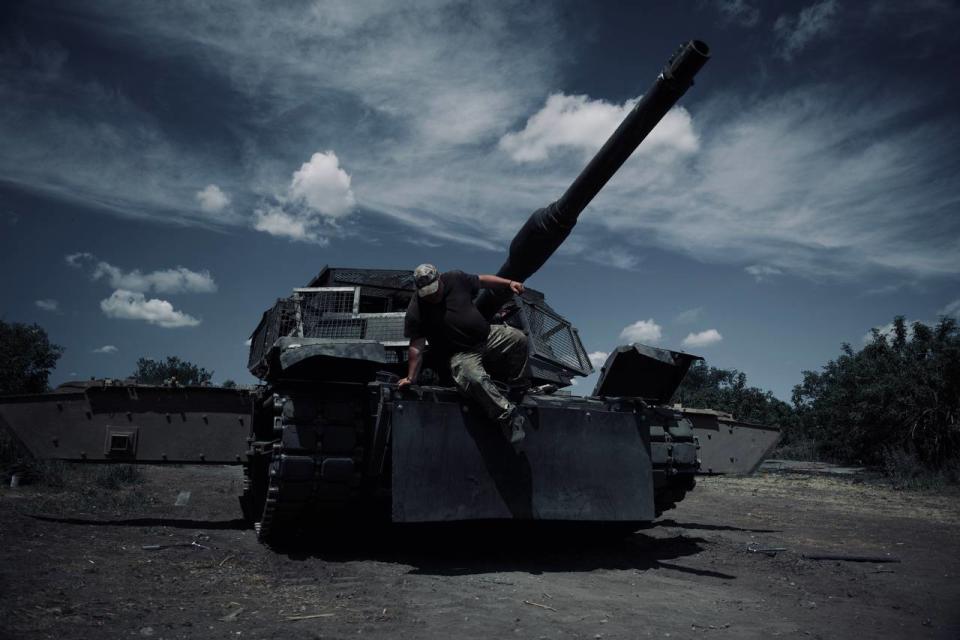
(547, 228)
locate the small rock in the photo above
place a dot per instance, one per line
(146, 631)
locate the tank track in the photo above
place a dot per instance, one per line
(306, 454)
(674, 451)
(310, 463)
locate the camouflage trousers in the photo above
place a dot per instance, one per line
(504, 355)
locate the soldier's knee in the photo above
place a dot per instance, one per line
(466, 374)
(514, 336)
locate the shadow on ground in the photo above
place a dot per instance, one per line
(478, 548)
(176, 523)
(710, 527)
(464, 548)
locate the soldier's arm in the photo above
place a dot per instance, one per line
(492, 282)
(414, 351)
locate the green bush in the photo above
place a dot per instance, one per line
(706, 387)
(173, 369)
(26, 358)
(894, 404)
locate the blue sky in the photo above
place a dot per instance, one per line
(168, 169)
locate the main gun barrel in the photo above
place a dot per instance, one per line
(547, 228)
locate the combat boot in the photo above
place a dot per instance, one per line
(513, 427)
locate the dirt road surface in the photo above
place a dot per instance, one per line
(72, 565)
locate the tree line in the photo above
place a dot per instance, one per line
(893, 403)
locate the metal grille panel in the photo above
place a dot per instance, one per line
(323, 312)
(554, 339)
(278, 321)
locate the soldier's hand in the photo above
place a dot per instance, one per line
(516, 287)
(404, 382)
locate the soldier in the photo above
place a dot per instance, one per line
(444, 314)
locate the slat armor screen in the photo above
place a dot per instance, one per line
(325, 312)
(554, 339)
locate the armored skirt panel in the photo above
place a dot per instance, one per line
(133, 423)
(576, 463)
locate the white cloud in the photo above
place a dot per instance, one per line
(48, 304)
(761, 272)
(643, 331)
(597, 358)
(811, 23)
(107, 348)
(212, 199)
(319, 193)
(176, 280)
(581, 124)
(952, 309)
(702, 339)
(277, 222)
(323, 185)
(132, 305)
(689, 315)
(815, 181)
(811, 183)
(248, 342)
(424, 77)
(76, 260)
(739, 12)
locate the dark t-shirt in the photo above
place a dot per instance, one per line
(453, 323)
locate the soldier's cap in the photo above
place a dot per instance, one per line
(427, 279)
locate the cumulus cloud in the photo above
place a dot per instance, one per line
(323, 185)
(582, 124)
(643, 331)
(176, 280)
(277, 222)
(738, 12)
(702, 339)
(48, 304)
(212, 199)
(597, 358)
(133, 305)
(813, 22)
(319, 193)
(107, 348)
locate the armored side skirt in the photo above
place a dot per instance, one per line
(576, 463)
(728, 445)
(132, 424)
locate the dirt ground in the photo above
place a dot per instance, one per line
(72, 565)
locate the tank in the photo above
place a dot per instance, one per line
(329, 435)
(332, 433)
